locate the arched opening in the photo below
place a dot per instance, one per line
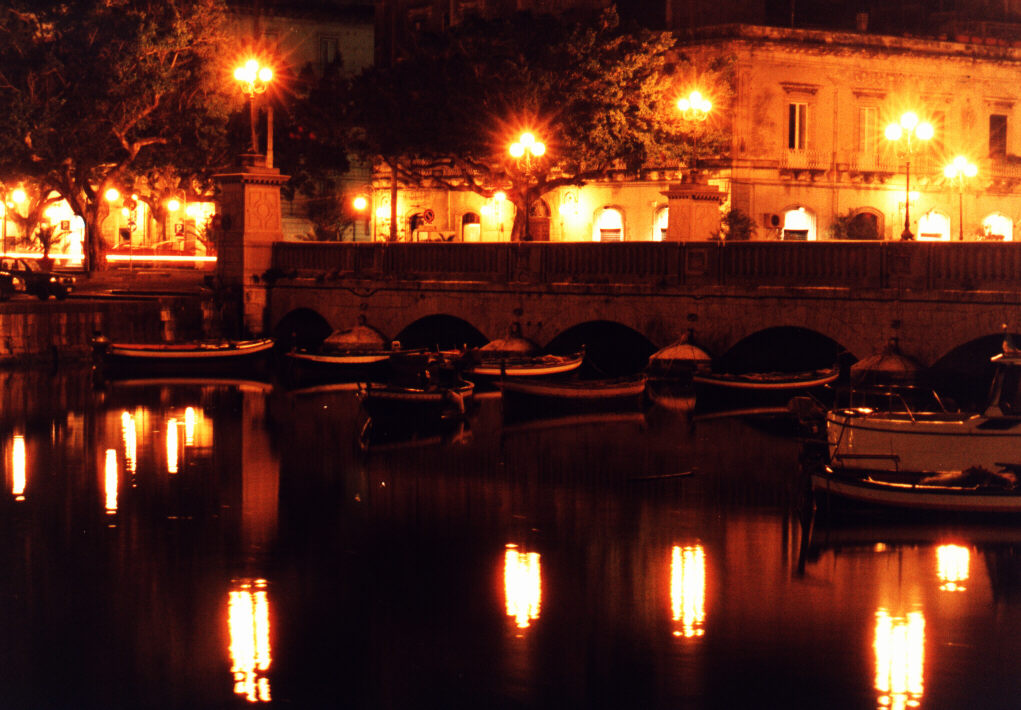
(864, 225)
(783, 349)
(964, 374)
(798, 225)
(471, 227)
(609, 226)
(301, 328)
(659, 229)
(611, 349)
(934, 226)
(998, 227)
(440, 331)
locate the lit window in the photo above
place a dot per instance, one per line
(796, 126)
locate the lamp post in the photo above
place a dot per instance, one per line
(959, 170)
(906, 130)
(695, 110)
(361, 205)
(254, 79)
(16, 197)
(525, 151)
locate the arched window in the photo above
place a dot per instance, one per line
(799, 225)
(662, 222)
(471, 227)
(609, 226)
(864, 225)
(538, 221)
(934, 226)
(998, 227)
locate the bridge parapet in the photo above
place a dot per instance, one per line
(968, 266)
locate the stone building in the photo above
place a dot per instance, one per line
(809, 157)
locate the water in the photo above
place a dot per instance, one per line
(223, 546)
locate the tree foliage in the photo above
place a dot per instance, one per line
(602, 99)
(98, 92)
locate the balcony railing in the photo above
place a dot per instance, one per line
(967, 266)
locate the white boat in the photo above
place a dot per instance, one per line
(120, 360)
(973, 491)
(867, 439)
(512, 365)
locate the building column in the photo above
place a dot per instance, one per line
(250, 222)
(694, 211)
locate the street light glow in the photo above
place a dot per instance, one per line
(360, 203)
(112, 194)
(907, 128)
(18, 196)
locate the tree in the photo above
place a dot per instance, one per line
(601, 98)
(99, 91)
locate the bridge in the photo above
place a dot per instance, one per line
(935, 298)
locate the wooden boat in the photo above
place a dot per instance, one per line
(903, 439)
(518, 365)
(430, 400)
(973, 491)
(182, 358)
(576, 390)
(323, 365)
(767, 381)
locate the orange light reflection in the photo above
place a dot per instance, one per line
(522, 585)
(172, 446)
(18, 467)
(110, 481)
(687, 590)
(130, 437)
(248, 622)
(189, 426)
(900, 659)
(952, 563)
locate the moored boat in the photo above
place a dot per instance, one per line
(767, 381)
(430, 400)
(632, 386)
(519, 365)
(972, 491)
(185, 358)
(905, 439)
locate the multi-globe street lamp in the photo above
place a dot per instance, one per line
(694, 109)
(255, 79)
(526, 150)
(959, 170)
(906, 132)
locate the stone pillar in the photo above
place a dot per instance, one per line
(250, 223)
(694, 210)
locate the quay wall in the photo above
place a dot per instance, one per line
(37, 332)
(933, 297)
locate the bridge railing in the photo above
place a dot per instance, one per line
(851, 264)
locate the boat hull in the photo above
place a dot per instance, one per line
(388, 401)
(538, 366)
(186, 359)
(861, 440)
(869, 491)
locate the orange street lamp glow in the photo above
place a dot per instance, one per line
(18, 196)
(111, 194)
(694, 106)
(173, 205)
(960, 169)
(254, 78)
(360, 203)
(906, 129)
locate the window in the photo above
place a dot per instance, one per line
(997, 134)
(796, 115)
(329, 50)
(868, 121)
(934, 226)
(659, 232)
(798, 225)
(609, 226)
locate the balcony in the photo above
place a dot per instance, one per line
(804, 164)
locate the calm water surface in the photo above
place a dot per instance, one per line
(206, 546)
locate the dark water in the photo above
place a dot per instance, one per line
(220, 546)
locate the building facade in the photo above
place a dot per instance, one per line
(809, 158)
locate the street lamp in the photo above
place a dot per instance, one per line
(17, 196)
(254, 79)
(960, 169)
(361, 204)
(526, 149)
(907, 129)
(694, 109)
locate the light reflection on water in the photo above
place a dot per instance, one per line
(619, 582)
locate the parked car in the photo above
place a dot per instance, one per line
(28, 276)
